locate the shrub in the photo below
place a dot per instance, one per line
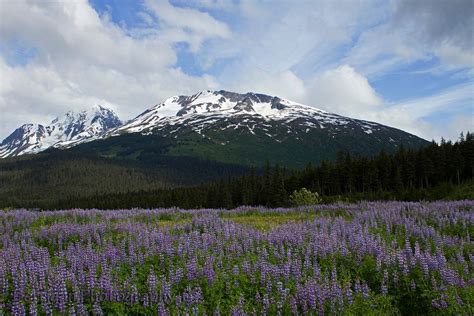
(304, 196)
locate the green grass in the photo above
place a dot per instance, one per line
(268, 222)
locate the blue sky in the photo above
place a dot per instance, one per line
(407, 64)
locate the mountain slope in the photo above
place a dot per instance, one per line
(252, 110)
(222, 126)
(63, 132)
(251, 128)
(184, 141)
(55, 175)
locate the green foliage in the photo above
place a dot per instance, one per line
(270, 220)
(137, 172)
(294, 150)
(304, 197)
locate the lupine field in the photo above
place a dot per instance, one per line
(367, 258)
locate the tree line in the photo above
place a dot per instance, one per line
(408, 174)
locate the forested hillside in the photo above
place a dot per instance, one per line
(432, 172)
(43, 179)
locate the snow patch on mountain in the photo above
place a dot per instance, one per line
(208, 107)
(63, 132)
(210, 114)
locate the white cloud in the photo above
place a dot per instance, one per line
(343, 91)
(458, 124)
(224, 5)
(196, 24)
(455, 56)
(298, 52)
(279, 36)
(285, 50)
(285, 83)
(414, 115)
(414, 31)
(82, 59)
(71, 32)
(318, 53)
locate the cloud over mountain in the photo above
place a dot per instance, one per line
(346, 56)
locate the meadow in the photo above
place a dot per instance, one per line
(370, 258)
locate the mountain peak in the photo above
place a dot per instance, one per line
(236, 127)
(221, 117)
(219, 104)
(99, 107)
(68, 130)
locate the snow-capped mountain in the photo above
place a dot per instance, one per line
(203, 110)
(252, 112)
(229, 127)
(63, 132)
(251, 128)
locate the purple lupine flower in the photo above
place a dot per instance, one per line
(192, 269)
(165, 291)
(87, 259)
(312, 297)
(424, 265)
(178, 301)
(265, 302)
(349, 296)
(33, 303)
(235, 270)
(96, 310)
(152, 287)
(293, 305)
(162, 309)
(395, 277)
(365, 290)
(384, 286)
(459, 301)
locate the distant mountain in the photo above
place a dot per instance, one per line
(253, 112)
(63, 132)
(227, 127)
(251, 128)
(184, 141)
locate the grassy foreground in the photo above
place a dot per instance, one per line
(364, 259)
